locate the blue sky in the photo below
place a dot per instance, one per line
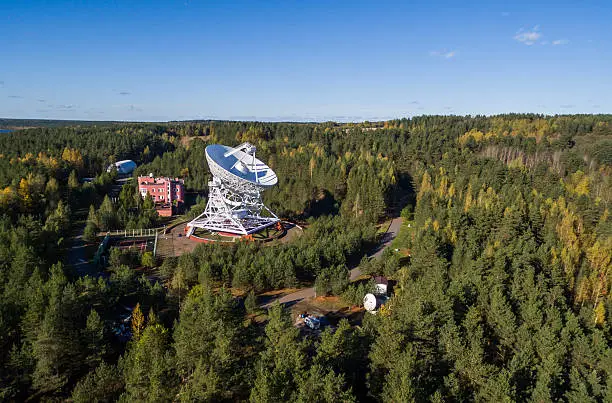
(302, 60)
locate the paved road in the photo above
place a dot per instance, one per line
(304, 293)
(75, 247)
(385, 242)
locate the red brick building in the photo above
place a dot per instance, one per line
(168, 194)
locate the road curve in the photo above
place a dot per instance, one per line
(385, 242)
(304, 293)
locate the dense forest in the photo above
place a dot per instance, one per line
(505, 295)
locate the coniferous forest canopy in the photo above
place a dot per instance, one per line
(505, 296)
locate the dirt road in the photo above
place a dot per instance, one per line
(304, 293)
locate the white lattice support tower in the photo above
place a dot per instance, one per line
(234, 200)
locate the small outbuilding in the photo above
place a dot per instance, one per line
(382, 285)
(379, 296)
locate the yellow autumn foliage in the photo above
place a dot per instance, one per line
(600, 313)
(425, 185)
(73, 157)
(477, 135)
(578, 183)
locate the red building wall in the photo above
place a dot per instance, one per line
(164, 191)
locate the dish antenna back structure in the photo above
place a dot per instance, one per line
(234, 198)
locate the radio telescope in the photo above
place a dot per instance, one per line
(234, 198)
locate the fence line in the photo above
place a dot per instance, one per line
(135, 233)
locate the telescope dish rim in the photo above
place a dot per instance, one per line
(233, 162)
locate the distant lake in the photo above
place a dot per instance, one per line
(5, 131)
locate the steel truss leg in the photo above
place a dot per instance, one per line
(227, 211)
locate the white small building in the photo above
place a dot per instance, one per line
(378, 297)
(124, 167)
(381, 285)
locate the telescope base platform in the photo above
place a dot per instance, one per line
(231, 225)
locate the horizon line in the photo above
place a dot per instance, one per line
(301, 121)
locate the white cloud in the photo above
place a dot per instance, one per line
(444, 53)
(560, 42)
(528, 37)
(64, 107)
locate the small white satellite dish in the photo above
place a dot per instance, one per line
(373, 302)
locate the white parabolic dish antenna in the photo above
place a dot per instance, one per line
(373, 302)
(234, 199)
(239, 167)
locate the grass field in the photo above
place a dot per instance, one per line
(404, 238)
